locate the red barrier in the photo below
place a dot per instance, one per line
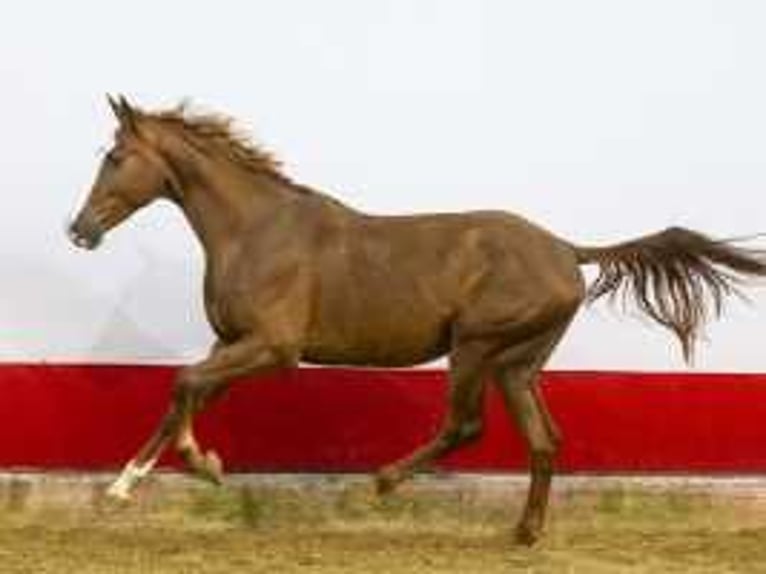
(95, 417)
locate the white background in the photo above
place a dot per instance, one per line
(602, 120)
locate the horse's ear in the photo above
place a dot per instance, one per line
(123, 111)
(114, 105)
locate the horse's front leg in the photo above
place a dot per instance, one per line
(194, 387)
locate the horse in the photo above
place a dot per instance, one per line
(293, 275)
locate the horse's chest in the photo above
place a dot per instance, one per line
(225, 304)
(245, 298)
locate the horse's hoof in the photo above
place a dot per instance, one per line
(115, 493)
(213, 468)
(385, 481)
(526, 535)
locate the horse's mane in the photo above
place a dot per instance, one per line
(217, 133)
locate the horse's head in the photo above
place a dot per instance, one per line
(131, 175)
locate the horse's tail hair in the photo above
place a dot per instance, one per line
(677, 277)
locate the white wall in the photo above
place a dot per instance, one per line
(602, 120)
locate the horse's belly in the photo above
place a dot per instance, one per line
(371, 357)
(380, 342)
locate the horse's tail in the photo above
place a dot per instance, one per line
(674, 276)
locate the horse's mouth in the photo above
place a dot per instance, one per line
(82, 240)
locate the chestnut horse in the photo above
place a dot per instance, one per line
(293, 275)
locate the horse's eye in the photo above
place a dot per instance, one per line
(113, 158)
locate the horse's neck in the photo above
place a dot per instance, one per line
(221, 204)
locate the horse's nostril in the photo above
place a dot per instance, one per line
(85, 231)
(84, 239)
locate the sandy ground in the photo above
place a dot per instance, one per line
(333, 526)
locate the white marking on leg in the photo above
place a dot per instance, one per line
(130, 475)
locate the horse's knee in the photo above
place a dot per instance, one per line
(189, 388)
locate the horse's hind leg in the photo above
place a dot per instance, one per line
(517, 377)
(542, 449)
(463, 421)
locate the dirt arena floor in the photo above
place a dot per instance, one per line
(336, 525)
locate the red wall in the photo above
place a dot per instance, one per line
(95, 417)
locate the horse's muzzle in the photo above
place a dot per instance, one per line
(85, 232)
